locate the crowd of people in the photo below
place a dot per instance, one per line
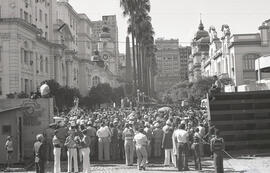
(109, 135)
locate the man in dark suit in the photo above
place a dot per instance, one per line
(40, 154)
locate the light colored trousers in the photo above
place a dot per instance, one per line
(72, 154)
(141, 155)
(103, 149)
(86, 160)
(57, 161)
(169, 154)
(129, 151)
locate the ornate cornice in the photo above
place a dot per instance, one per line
(21, 22)
(246, 43)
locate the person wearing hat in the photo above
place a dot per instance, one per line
(91, 133)
(141, 142)
(167, 126)
(149, 134)
(157, 140)
(62, 135)
(40, 154)
(9, 148)
(167, 145)
(57, 152)
(181, 139)
(85, 142)
(104, 135)
(217, 146)
(72, 151)
(114, 148)
(128, 136)
(202, 134)
(48, 136)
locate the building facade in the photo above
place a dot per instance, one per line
(168, 64)
(200, 50)
(234, 55)
(184, 53)
(107, 42)
(46, 39)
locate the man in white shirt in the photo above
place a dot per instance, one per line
(181, 140)
(104, 138)
(141, 143)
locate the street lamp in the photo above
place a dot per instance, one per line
(138, 96)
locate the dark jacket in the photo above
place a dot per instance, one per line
(40, 152)
(167, 142)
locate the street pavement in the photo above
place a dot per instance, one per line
(236, 165)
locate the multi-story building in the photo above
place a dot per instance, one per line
(184, 53)
(234, 55)
(27, 48)
(110, 39)
(42, 40)
(200, 50)
(168, 64)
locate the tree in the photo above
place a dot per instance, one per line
(102, 93)
(137, 11)
(53, 85)
(117, 95)
(64, 95)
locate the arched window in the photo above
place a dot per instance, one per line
(96, 80)
(41, 64)
(249, 61)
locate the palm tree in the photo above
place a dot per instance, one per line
(141, 31)
(129, 7)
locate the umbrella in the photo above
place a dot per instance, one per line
(164, 109)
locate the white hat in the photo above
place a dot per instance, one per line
(168, 122)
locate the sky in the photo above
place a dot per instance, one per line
(179, 19)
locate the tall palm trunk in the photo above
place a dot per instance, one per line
(139, 65)
(134, 64)
(144, 68)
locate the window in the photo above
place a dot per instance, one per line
(31, 86)
(249, 61)
(21, 13)
(22, 84)
(96, 81)
(41, 64)
(26, 86)
(26, 16)
(46, 20)
(25, 57)
(30, 18)
(40, 15)
(22, 55)
(6, 130)
(46, 65)
(0, 86)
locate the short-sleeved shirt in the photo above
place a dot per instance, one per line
(128, 134)
(140, 139)
(181, 136)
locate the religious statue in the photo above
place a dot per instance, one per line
(226, 30)
(213, 33)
